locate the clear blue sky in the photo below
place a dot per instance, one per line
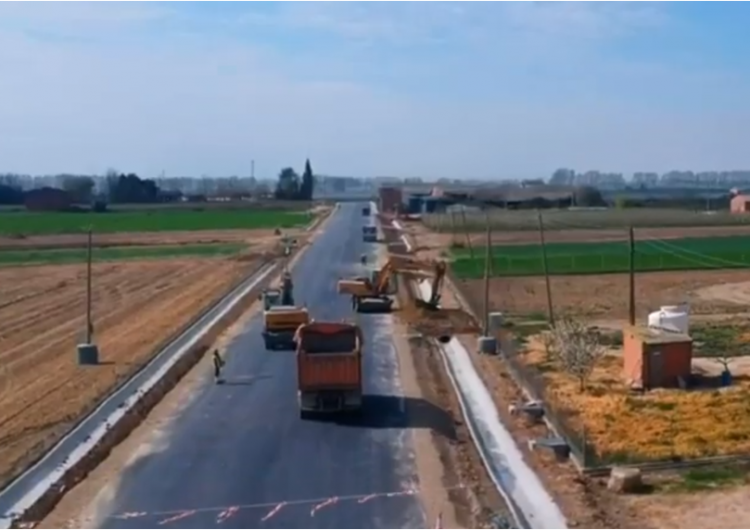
(409, 89)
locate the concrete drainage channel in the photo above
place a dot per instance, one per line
(35, 493)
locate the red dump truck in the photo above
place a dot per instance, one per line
(329, 368)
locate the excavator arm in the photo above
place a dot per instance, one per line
(378, 286)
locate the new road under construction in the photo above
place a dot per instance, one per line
(326, 418)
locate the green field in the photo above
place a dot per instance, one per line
(78, 255)
(608, 257)
(579, 219)
(45, 223)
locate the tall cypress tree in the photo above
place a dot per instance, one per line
(308, 183)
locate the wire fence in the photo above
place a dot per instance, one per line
(664, 258)
(501, 219)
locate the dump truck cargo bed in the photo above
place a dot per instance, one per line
(329, 368)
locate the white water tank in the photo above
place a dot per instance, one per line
(673, 318)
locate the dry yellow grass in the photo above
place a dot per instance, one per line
(658, 425)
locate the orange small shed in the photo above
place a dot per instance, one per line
(656, 358)
(740, 204)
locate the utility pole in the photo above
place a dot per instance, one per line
(466, 233)
(89, 324)
(488, 255)
(631, 238)
(550, 310)
(252, 169)
(454, 232)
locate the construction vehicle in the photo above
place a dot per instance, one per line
(372, 295)
(329, 368)
(281, 317)
(370, 234)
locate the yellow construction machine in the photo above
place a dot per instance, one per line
(281, 317)
(372, 295)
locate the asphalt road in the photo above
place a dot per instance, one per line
(239, 456)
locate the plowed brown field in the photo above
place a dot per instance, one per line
(124, 239)
(136, 306)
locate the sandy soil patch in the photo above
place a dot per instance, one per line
(136, 305)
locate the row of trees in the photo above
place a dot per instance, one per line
(119, 189)
(291, 187)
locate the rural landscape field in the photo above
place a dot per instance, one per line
(680, 258)
(153, 272)
(705, 267)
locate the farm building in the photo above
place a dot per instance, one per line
(740, 204)
(47, 200)
(656, 358)
(390, 198)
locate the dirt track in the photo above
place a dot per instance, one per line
(137, 306)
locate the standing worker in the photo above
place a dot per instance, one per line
(218, 365)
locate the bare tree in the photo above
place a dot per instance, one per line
(576, 348)
(724, 360)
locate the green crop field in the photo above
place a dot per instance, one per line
(608, 257)
(579, 219)
(44, 223)
(78, 255)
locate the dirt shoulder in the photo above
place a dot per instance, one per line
(455, 484)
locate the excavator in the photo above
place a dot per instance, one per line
(281, 317)
(371, 295)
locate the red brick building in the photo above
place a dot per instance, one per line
(740, 204)
(391, 199)
(47, 200)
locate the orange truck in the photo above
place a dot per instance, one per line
(329, 368)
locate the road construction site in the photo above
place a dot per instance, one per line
(244, 451)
